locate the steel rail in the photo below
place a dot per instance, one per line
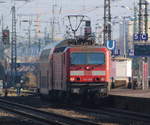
(127, 114)
(22, 92)
(114, 113)
(42, 116)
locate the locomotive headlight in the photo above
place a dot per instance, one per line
(72, 79)
(87, 67)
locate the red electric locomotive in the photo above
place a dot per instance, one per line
(66, 68)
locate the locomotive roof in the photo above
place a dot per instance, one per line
(61, 46)
(65, 43)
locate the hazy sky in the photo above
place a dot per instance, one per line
(91, 8)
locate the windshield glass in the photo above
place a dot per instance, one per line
(87, 58)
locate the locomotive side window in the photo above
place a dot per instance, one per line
(87, 58)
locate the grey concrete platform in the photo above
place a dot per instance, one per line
(130, 93)
(132, 100)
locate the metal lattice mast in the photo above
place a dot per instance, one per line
(146, 17)
(143, 28)
(107, 21)
(140, 17)
(13, 46)
(143, 17)
(135, 29)
(53, 22)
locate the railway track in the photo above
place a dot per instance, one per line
(128, 115)
(106, 115)
(23, 92)
(42, 116)
(116, 114)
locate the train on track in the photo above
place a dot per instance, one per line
(77, 66)
(66, 68)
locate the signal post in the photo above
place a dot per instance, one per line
(145, 73)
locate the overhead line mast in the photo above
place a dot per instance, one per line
(107, 21)
(135, 28)
(143, 18)
(143, 28)
(13, 46)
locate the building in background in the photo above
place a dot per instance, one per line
(123, 33)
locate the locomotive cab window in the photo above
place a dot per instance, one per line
(87, 58)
